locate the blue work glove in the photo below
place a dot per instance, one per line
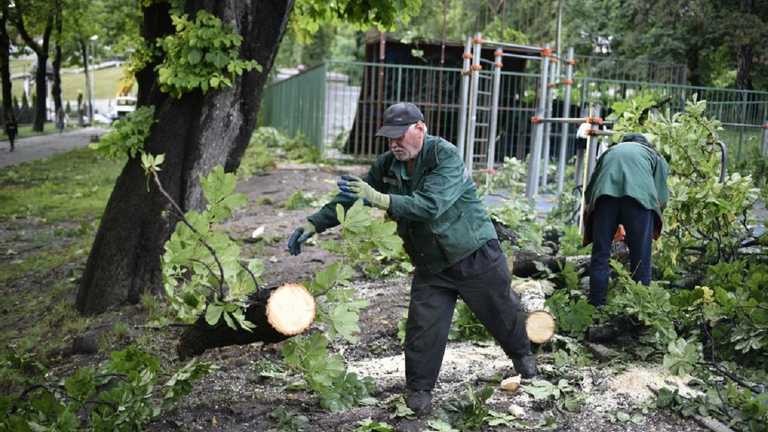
(299, 236)
(355, 187)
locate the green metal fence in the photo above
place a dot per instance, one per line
(297, 105)
(340, 104)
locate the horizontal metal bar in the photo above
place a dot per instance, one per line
(736, 102)
(675, 86)
(569, 120)
(601, 132)
(521, 56)
(392, 66)
(528, 48)
(746, 125)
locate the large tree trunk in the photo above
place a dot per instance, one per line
(5, 71)
(196, 133)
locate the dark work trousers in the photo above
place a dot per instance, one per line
(482, 280)
(638, 223)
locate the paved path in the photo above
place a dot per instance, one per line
(43, 146)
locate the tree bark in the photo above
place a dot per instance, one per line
(5, 70)
(744, 67)
(201, 336)
(744, 56)
(196, 133)
(41, 50)
(84, 54)
(56, 87)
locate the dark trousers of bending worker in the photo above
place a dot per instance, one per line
(482, 280)
(638, 222)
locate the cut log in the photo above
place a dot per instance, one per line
(540, 326)
(290, 309)
(290, 318)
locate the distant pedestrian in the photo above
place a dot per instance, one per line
(60, 119)
(11, 129)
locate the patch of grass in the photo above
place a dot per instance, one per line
(54, 322)
(299, 200)
(157, 309)
(105, 84)
(43, 261)
(70, 186)
(265, 201)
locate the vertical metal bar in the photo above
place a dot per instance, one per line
(592, 144)
(399, 83)
(554, 74)
(463, 96)
(564, 127)
(323, 72)
(585, 178)
(494, 114)
(474, 81)
(764, 149)
(532, 183)
(579, 166)
(742, 120)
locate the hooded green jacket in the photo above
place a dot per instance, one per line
(439, 216)
(631, 168)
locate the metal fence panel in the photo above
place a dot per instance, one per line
(340, 104)
(297, 105)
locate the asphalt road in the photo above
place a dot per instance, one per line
(43, 146)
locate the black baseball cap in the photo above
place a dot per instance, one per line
(398, 118)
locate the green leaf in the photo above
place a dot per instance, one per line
(213, 314)
(194, 56)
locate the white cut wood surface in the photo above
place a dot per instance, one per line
(540, 324)
(291, 309)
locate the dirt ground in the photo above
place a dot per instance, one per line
(237, 398)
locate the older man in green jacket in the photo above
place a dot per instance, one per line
(629, 188)
(421, 183)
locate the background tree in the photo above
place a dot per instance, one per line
(57, 56)
(32, 18)
(196, 131)
(5, 71)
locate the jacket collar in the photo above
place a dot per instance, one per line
(425, 161)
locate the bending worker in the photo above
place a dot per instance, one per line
(629, 188)
(422, 185)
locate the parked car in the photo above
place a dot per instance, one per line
(124, 105)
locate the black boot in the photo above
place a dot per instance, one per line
(419, 401)
(525, 366)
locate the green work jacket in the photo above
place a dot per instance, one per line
(628, 169)
(438, 214)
